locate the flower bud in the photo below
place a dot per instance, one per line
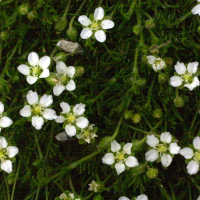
(96, 186)
(136, 29)
(4, 35)
(141, 82)
(99, 197)
(162, 78)
(11, 178)
(153, 49)
(149, 23)
(140, 169)
(37, 163)
(32, 15)
(157, 113)
(137, 145)
(60, 57)
(136, 118)
(72, 33)
(61, 24)
(168, 61)
(128, 114)
(105, 142)
(152, 173)
(179, 102)
(55, 18)
(52, 79)
(79, 71)
(15, 78)
(23, 9)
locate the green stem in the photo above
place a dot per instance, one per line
(67, 8)
(7, 187)
(37, 194)
(71, 184)
(38, 147)
(128, 14)
(113, 12)
(108, 50)
(46, 192)
(15, 181)
(117, 129)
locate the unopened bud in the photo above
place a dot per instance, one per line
(37, 163)
(72, 33)
(149, 23)
(61, 24)
(52, 79)
(55, 18)
(105, 142)
(32, 15)
(96, 186)
(162, 78)
(23, 9)
(152, 173)
(4, 35)
(60, 57)
(128, 114)
(79, 71)
(179, 102)
(168, 61)
(153, 49)
(11, 178)
(136, 29)
(136, 118)
(141, 82)
(157, 113)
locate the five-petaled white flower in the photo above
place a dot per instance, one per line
(162, 149)
(140, 197)
(121, 157)
(64, 78)
(157, 63)
(38, 109)
(72, 118)
(4, 121)
(96, 26)
(6, 152)
(37, 68)
(196, 9)
(193, 156)
(186, 75)
(198, 198)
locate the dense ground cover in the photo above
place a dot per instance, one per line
(128, 98)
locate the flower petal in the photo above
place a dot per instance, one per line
(127, 148)
(62, 136)
(44, 74)
(107, 24)
(166, 160)
(192, 67)
(196, 10)
(115, 146)
(58, 89)
(5, 122)
(100, 36)
(86, 33)
(120, 167)
(79, 109)
(1, 107)
(65, 107)
(44, 62)
(192, 85)
(24, 69)
(131, 161)
(3, 142)
(108, 159)
(60, 119)
(49, 114)
(151, 155)
(12, 151)
(196, 143)
(174, 148)
(82, 122)
(152, 141)
(46, 100)
(6, 166)
(180, 68)
(142, 197)
(33, 58)
(187, 153)
(166, 137)
(71, 85)
(61, 67)
(32, 97)
(84, 20)
(176, 81)
(71, 71)
(31, 79)
(151, 59)
(25, 111)
(193, 167)
(123, 198)
(37, 122)
(70, 130)
(98, 13)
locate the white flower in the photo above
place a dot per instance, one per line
(163, 148)
(37, 68)
(194, 156)
(198, 198)
(97, 26)
(64, 78)
(196, 9)
(142, 197)
(123, 198)
(157, 63)
(6, 152)
(73, 118)
(121, 157)
(4, 121)
(186, 75)
(38, 109)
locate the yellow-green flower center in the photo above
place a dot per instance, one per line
(94, 26)
(162, 148)
(71, 118)
(37, 109)
(2, 155)
(120, 156)
(187, 77)
(197, 156)
(35, 71)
